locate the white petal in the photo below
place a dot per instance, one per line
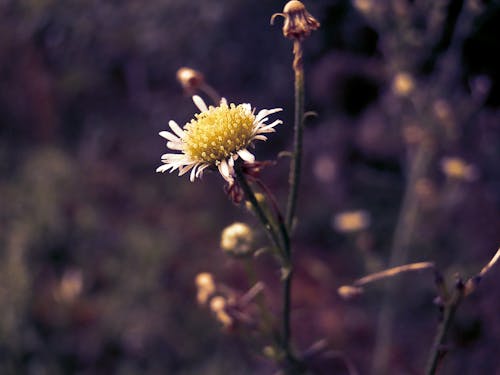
(185, 169)
(198, 101)
(269, 128)
(259, 137)
(167, 135)
(223, 168)
(177, 129)
(264, 112)
(193, 174)
(200, 170)
(174, 158)
(175, 146)
(246, 155)
(162, 168)
(223, 101)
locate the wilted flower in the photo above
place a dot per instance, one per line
(237, 239)
(351, 221)
(298, 21)
(216, 137)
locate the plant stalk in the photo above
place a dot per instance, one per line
(436, 353)
(295, 165)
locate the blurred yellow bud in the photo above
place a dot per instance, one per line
(363, 6)
(349, 291)
(206, 287)
(70, 287)
(351, 221)
(237, 240)
(403, 84)
(191, 80)
(218, 307)
(457, 168)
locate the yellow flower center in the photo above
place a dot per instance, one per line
(218, 133)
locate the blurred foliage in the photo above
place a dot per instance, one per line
(98, 253)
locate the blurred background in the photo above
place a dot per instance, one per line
(98, 253)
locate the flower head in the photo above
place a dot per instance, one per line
(216, 137)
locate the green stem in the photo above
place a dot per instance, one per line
(294, 178)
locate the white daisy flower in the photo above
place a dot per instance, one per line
(216, 136)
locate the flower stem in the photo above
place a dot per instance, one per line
(258, 209)
(294, 178)
(283, 245)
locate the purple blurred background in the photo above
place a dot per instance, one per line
(98, 253)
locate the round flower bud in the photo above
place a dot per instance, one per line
(403, 84)
(190, 79)
(237, 240)
(351, 221)
(218, 306)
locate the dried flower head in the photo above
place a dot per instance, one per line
(216, 137)
(237, 240)
(190, 79)
(298, 21)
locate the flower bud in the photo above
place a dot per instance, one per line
(349, 291)
(218, 306)
(351, 221)
(458, 169)
(403, 84)
(190, 79)
(237, 240)
(206, 287)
